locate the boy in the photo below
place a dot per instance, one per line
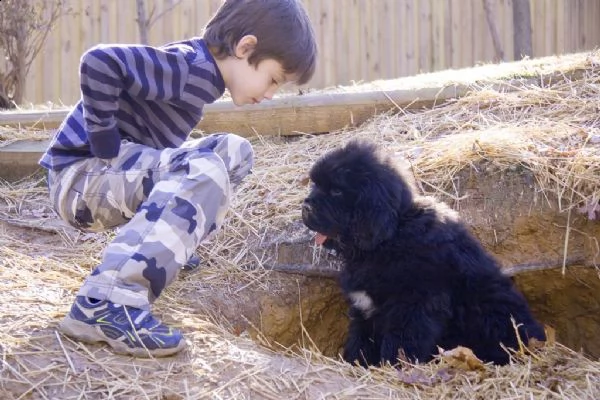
(121, 158)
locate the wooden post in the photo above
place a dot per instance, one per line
(522, 29)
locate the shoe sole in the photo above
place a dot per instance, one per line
(93, 334)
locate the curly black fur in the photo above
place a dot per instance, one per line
(414, 277)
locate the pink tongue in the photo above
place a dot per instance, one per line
(320, 239)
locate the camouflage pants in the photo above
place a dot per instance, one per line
(166, 202)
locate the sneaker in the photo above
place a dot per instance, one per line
(192, 264)
(126, 329)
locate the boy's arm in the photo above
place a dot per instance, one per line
(143, 71)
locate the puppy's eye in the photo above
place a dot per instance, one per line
(335, 192)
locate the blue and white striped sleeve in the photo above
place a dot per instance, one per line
(144, 72)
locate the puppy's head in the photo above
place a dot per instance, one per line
(356, 199)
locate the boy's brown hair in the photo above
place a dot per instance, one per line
(282, 28)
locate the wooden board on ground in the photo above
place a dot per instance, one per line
(20, 159)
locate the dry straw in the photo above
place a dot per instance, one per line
(552, 131)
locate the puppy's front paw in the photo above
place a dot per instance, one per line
(394, 350)
(360, 350)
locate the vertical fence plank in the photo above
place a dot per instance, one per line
(53, 74)
(438, 34)
(467, 34)
(559, 31)
(187, 12)
(113, 31)
(362, 41)
(352, 39)
(175, 18)
(104, 21)
(480, 32)
(537, 26)
(168, 21)
(507, 33)
(372, 29)
(342, 46)
(424, 35)
(200, 13)
(315, 11)
(591, 21)
(389, 42)
(475, 32)
(580, 22)
(550, 30)
(383, 39)
(87, 25)
(68, 70)
(457, 28)
(573, 32)
(327, 24)
(566, 29)
(400, 27)
(411, 52)
(448, 46)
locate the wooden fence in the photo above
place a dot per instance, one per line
(359, 40)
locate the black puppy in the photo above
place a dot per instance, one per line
(414, 277)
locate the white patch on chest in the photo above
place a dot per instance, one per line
(363, 302)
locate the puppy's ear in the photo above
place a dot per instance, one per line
(375, 217)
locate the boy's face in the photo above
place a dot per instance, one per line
(250, 84)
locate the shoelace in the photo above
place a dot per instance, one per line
(143, 314)
(141, 317)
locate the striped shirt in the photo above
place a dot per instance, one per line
(148, 95)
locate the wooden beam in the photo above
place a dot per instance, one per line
(288, 115)
(20, 159)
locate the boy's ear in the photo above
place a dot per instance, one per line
(245, 46)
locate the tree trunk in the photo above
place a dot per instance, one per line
(4, 100)
(142, 21)
(20, 67)
(522, 29)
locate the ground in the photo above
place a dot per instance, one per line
(263, 316)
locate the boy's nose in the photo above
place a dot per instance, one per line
(270, 93)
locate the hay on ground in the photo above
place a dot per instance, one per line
(551, 131)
